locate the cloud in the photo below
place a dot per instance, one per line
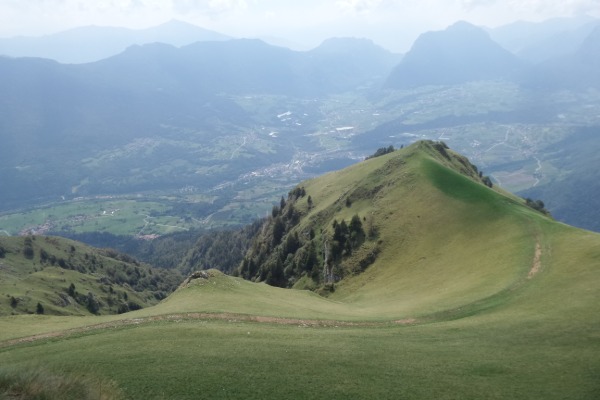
(543, 8)
(210, 7)
(472, 4)
(361, 6)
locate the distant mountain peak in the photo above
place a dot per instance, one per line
(463, 25)
(176, 22)
(462, 52)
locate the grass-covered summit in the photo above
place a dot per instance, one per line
(419, 225)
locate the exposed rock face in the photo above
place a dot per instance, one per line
(196, 275)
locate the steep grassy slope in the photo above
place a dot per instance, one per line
(435, 237)
(472, 295)
(51, 275)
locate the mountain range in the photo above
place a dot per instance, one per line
(540, 41)
(93, 43)
(577, 70)
(54, 114)
(157, 116)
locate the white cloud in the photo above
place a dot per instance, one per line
(539, 8)
(211, 7)
(358, 6)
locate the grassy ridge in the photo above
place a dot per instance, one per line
(446, 240)
(502, 304)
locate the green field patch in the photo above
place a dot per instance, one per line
(116, 216)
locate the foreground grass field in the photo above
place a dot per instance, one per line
(474, 296)
(469, 359)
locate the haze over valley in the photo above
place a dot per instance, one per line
(216, 125)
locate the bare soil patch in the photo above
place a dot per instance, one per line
(537, 261)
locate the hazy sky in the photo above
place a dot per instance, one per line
(393, 24)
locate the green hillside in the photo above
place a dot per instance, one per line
(56, 276)
(470, 295)
(422, 211)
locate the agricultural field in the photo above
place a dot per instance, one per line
(118, 216)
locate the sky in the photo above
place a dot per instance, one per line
(393, 24)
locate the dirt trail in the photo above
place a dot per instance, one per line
(537, 261)
(306, 323)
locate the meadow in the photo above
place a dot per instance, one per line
(540, 342)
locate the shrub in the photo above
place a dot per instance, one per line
(28, 252)
(71, 290)
(487, 181)
(43, 255)
(93, 305)
(537, 205)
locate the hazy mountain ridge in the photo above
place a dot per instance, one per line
(520, 36)
(80, 111)
(576, 71)
(560, 45)
(461, 53)
(93, 43)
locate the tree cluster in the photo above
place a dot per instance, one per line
(537, 205)
(167, 252)
(346, 237)
(381, 152)
(282, 252)
(117, 300)
(223, 250)
(28, 252)
(487, 181)
(277, 254)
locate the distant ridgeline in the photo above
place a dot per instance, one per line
(51, 275)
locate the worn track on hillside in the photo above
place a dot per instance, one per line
(229, 317)
(233, 318)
